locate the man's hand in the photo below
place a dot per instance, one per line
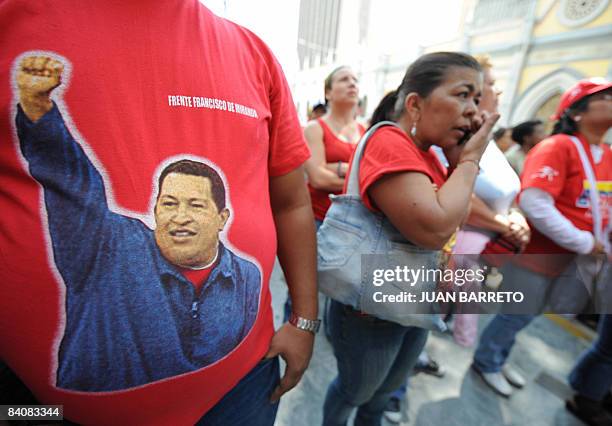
(295, 347)
(36, 77)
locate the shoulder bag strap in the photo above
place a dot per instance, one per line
(352, 187)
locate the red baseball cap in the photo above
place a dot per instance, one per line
(578, 91)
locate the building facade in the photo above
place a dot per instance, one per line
(377, 39)
(538, 47)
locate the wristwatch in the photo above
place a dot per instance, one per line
(305, 324)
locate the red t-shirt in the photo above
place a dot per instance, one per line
(335, 150)
(144, 83)
(554, 166)
(390, 150)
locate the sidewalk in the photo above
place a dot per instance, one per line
(544, 352)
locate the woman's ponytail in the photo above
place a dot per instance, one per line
(385, 111)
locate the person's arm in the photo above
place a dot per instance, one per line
(319, 176)
(513, 227)
(297, 255)
(539, 206)
(481, 216)
(340, 168)
(425, 217)
(75, 199)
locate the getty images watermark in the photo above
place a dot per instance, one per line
(416, 282)
(447, 278)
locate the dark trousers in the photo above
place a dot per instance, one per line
(248, 403)
(592, 375)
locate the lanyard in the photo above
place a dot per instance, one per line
(598, 231)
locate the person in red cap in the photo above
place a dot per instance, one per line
(567, 229)
(580, 90)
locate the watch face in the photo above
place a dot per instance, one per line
(579, 12)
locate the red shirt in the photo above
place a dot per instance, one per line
(198, 277)
(554, 166)
(390, 150)
(335, 150)
(144, 83)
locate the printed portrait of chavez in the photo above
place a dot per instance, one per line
(140, 305)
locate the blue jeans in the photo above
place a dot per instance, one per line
(592, 375)
(248, 403)
(400, 393)
(497, 339)
(374, 358)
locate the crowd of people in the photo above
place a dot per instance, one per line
(483, 206)
(138, 239)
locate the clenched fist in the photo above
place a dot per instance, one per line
(36, 77)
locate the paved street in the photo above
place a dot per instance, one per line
(544, 352)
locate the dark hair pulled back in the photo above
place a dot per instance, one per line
(523, 130)
(566, 124)
(422, 77)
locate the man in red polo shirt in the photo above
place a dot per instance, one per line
(145, 91)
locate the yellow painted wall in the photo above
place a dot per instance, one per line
(550, 23)
(532, 74)
(594, 68)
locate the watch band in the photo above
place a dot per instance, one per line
(305, 324)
